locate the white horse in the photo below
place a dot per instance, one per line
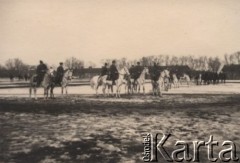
(46, 84)
(175, 81)
(185, 78)
(140, 82)
(159, 85)
(199, 79)
(97, 81)
(67, 77)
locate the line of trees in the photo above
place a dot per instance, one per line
(195, 63)
(233, 58)
(16, 66)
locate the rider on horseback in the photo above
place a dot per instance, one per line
(114, 74)
(155, 72)
(60, 73)
(41, 70)
(104, 71)
(132, 70)
(137, 71)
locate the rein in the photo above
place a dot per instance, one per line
(67, 76)
(123, 74)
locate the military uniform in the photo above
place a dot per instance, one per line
(155, 74)
(114, 74)
(60, 73)
(104, 71)
(41, 70)
(132, 71)
(138, 71)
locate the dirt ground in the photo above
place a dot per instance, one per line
(83, 128)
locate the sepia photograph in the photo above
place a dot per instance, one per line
(119, 81)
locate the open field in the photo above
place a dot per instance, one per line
(82, 128)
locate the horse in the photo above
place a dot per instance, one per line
(175, 81)
(199, 79)
(158, 85)
(167, 84)
(186, 78)
(67, 77)
(139, 82)
(46, 84)
(97, 81)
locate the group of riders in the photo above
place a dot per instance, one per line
(135, 71)
(113, 73)
(42, 69)
(208, 77)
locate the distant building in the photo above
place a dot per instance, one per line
(232, 71)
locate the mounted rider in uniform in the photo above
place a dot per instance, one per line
(60, 73)
(113, 72)
(104, 71)
(132, 71)
(41, 70)
(155, 73)
(137, 71)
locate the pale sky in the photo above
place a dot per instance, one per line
(53, 30)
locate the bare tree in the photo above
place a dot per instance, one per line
(16, 66)
(74, 63)
(226, 59)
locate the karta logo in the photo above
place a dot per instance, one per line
(154, 147)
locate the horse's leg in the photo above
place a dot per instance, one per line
(66, 90)
(152, 88)
(103, 90)
(45, 93)
(160, 91)
(47, 89)
(116, 94)
(112, 90)
(35, 93)
(30, 91)
(143, 89)
(51, 92)
(62, 89)
(108, 87)
(129, 88)
(117, 89)
(96, 89)
(126, 88)
(139, 88)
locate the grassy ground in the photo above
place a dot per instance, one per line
(87, 129)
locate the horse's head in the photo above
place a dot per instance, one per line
(125, 71)
(146, 70)
(50, 72)
(68, 74)
(165, 73)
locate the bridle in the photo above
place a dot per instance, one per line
(125, 70)
(68, 76)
